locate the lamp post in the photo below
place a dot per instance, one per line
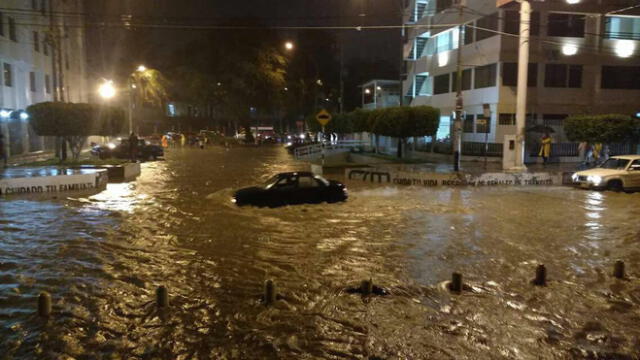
(131, 86)
(523, 78)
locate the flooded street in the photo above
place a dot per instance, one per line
(103, 257)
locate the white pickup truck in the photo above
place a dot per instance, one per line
(619, 173)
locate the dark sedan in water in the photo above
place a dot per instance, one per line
(292, 189)
(146, 151)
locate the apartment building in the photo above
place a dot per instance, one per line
(42, 58)
(584, 58)
(377, 94)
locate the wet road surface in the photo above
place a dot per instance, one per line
(102, 257)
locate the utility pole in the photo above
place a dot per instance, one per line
(457, 124)
(523, 73)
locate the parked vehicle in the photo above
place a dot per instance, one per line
(120, 150)
(618, 173)
(292, 188)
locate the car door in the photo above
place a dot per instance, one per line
(632, 177)
(283, 192)
(308, 191)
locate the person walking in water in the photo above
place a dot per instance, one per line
(545, 148)
(133, 147)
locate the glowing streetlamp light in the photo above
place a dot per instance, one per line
(289, 45)
(107, 90)
(142, 68)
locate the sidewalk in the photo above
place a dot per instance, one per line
(444, 166)
(18, 160)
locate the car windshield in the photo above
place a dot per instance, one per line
(616, 164)
(272, 181)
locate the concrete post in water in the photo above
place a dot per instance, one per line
(270, 293)
(162, 296)
(618, 269)
(44, 304)
(366, 287)
(456, 282)
(541, 276)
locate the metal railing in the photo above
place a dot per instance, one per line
(314, 151)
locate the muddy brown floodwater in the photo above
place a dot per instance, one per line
(103, 257)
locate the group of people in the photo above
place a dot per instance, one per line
(590, 154)
(182, 140)
(593, 153)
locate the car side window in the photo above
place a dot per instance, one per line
(635, 166)
(286, 183)
(307, 182)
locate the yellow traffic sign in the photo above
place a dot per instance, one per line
(323, 117)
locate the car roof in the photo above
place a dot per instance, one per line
(296, 173)
(627, 157)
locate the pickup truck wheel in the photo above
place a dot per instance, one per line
(615, 185)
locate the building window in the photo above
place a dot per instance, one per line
(507, 119)
(566, 25)
(445, 41)
(441, 84)
(12, 29)
(34, 4)
(563, 76)
(553, 119)
(467, 124)
(7, 74)
(36, 41)
(510, 74)
(620, 77)
(488, 22)
(483, 124)
(32, 81)
(485, 76)
(466, 80)
(618, 27)
(1, 24)
(45, 47)
(512, 23)
(66, 61)
(47, 84)
(43, 7)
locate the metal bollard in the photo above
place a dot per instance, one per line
(618, 270)
(162, 296)
(366, 287)
(44, 304)
(270, 293)
(456, 282)
(541, 276)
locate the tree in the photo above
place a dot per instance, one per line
(75, 122)
(608, 128)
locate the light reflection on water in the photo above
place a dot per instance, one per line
(102, 258)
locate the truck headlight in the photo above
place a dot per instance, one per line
(111, 146)
(595, 179)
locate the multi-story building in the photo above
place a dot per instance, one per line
(378, 94)
(42, 58)
(584, 58)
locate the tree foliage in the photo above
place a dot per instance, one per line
(74, 122)
(607, 128)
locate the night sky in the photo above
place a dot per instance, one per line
(366, 44)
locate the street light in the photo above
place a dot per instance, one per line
(107, 90)
(289, 45)
(142, 68)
